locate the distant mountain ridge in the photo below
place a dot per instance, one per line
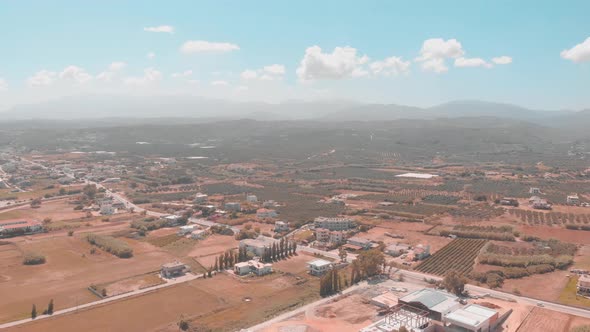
(183, 106)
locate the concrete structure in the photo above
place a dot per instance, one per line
(173, 270)
(535, 191)
(252, 266)
(413, 319)
(573, 200)
(258, 245)
(437, 303)
(416, 175)
(319, 266)
(509, 201)
(385, 300)
(184, 230)
(328, 236)
(360, 242)
(19, 227)
(474, 318)
(281, 226)
(334, 224)
(397, 249)
(266, 213)
(232, 207)
(584, 284)
(251, 198)
(421, 251)
(539, 203)
(198, 234)
(172, 219)
(200, 198)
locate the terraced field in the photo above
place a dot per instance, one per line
(459, 255)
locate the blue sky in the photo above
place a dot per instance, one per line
(408, 52)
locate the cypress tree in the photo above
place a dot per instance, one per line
(50, 307)
(34, 312)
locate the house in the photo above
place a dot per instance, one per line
(173, 270)
(233, 207)
(251, 198)
(397, 249)
(184, 230)
(269, 204)
(198, 234)
(438, 303)
(328, 236)
(474, 318)
(258, 245)
(535, 191)
(334, 224)
(318, 266)
(281, 226)
(172, 219)
(421, 252)
(573, 200)
(19, 227)
(252, 266)
(584, 284)
(539, 203)
(360, 242)
(266, 213)
(200, 198)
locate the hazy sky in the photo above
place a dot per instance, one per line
(532, 53)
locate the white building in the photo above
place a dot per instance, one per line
(258, 245)
(198, 234)
(334, 224)
(573, 200)
(184, 230)
(266, 213)
(318, 266)
(281, 226)
(359, 242)
(535, 191)
(200, 198)
(397, 249)
(473, 318)
(328, 236)
(252, 266)
(251, 198)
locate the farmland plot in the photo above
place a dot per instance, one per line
(459, 255)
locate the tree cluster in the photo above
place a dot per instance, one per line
(279, 250)
(332, 283)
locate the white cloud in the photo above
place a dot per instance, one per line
(472, 62)
(3, 84)
(193, 82)
(249, 74)
(201, 46)
(150, 55)
(117, 66)
(274, 69)
(75, 74)
(42, 78)
(502, 60)
(242, 88)
(160, 28)
(578, 53)
(150, 75)
(219, 83)
(267, 73)
(435, 51)
(391, 66)
(185, 73)
(342, 63)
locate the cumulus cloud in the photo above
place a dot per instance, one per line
(391, 66)
(202, 46)
(113, 71)
(3, 84)
(502, 60)
(150, 76)
(160, 28)
(472, 62)
(219, 83)
(342, 63)
(266, 73)
(150, 55)
(435, 51)
(75, 74)
(578, 53)
(42, 78)
(117, 66)
(185, 73)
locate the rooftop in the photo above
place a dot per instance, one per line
(472, 315)
(432, 299)
(319, 262)
(417, 175)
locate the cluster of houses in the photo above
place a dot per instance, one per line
(430, 310)
(331, 232)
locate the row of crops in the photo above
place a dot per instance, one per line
(458, 255)
(549, 218)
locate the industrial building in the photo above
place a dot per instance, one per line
(472, 318)
(438, 303)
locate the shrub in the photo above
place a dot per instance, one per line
(110, 244)
(33, 258)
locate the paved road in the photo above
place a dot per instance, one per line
(103, 301)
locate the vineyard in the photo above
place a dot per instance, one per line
(459, 255)
(550, 218)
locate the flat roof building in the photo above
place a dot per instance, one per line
(473, 318)
(319, 266)
(437, 303)
(334, 224)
